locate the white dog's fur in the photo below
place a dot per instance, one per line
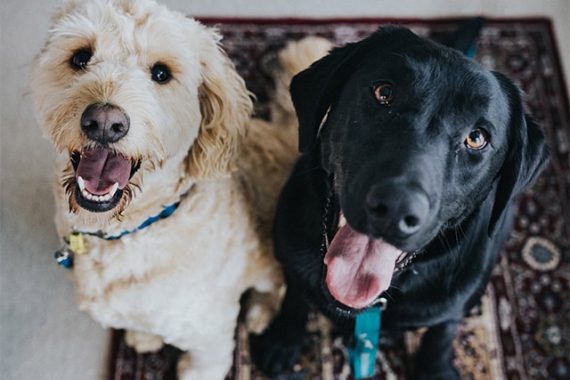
(178, 281)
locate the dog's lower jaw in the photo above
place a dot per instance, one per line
(81, 215)
(98, 206)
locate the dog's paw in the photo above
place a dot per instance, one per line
(258, 318)
(189, 369)
(272, 356)
(447, 372)
(261, 308)
(143, 342)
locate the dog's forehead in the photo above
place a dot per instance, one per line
(434, 72)
(438, 83)
(120, 27)
(427, 68)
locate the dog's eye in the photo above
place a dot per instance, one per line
(384, 93)
(477, 139)
(160, 73)
(80, 59)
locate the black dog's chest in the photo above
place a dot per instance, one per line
(437, 286)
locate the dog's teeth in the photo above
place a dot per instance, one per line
(93, 197)
(114, 189)
(81, 183)
(342, 221)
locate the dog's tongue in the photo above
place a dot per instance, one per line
(100, 169)
(358, 268)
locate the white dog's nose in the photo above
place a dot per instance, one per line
(104, 123)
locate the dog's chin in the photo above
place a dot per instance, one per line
(338, 308)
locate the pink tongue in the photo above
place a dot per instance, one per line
(359, 268)
(100, 169)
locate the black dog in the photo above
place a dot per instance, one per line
(422, 151)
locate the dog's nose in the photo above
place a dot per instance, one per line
(104, 123)
(396, 209)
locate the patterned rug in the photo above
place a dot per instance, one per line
(522, 329)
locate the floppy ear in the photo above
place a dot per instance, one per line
(527, 153)
(314, 90)
(225, 106)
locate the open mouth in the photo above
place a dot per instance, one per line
(101, 176)
(359, 267)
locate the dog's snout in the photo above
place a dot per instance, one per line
(397, 210)
(104, 123)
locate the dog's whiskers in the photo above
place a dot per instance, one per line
(443, 239)
(387, 293)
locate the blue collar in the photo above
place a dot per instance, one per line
(74, 243)
(165, 213)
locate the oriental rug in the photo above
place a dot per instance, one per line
(522, 328)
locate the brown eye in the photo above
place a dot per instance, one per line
(384, 93)
(477, 139)
(80, 59)
(160, 73)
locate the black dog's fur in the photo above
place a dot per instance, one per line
(416, 142)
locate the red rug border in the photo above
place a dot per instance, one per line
(364, 20)
(212, 20)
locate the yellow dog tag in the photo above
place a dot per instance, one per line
(77, 243)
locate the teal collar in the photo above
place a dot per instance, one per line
(366, 341)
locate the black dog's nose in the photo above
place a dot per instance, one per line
(104, 123)
(396, 209)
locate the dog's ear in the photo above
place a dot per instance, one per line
(464, 38)
(526, 157)
(225, 107)
(314, 90)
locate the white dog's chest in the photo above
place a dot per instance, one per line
(144, 280)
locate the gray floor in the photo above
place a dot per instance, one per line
(42, 335)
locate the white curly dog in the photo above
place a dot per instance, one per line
(165, 186)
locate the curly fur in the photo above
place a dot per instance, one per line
(225, 107)
(180, 280)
